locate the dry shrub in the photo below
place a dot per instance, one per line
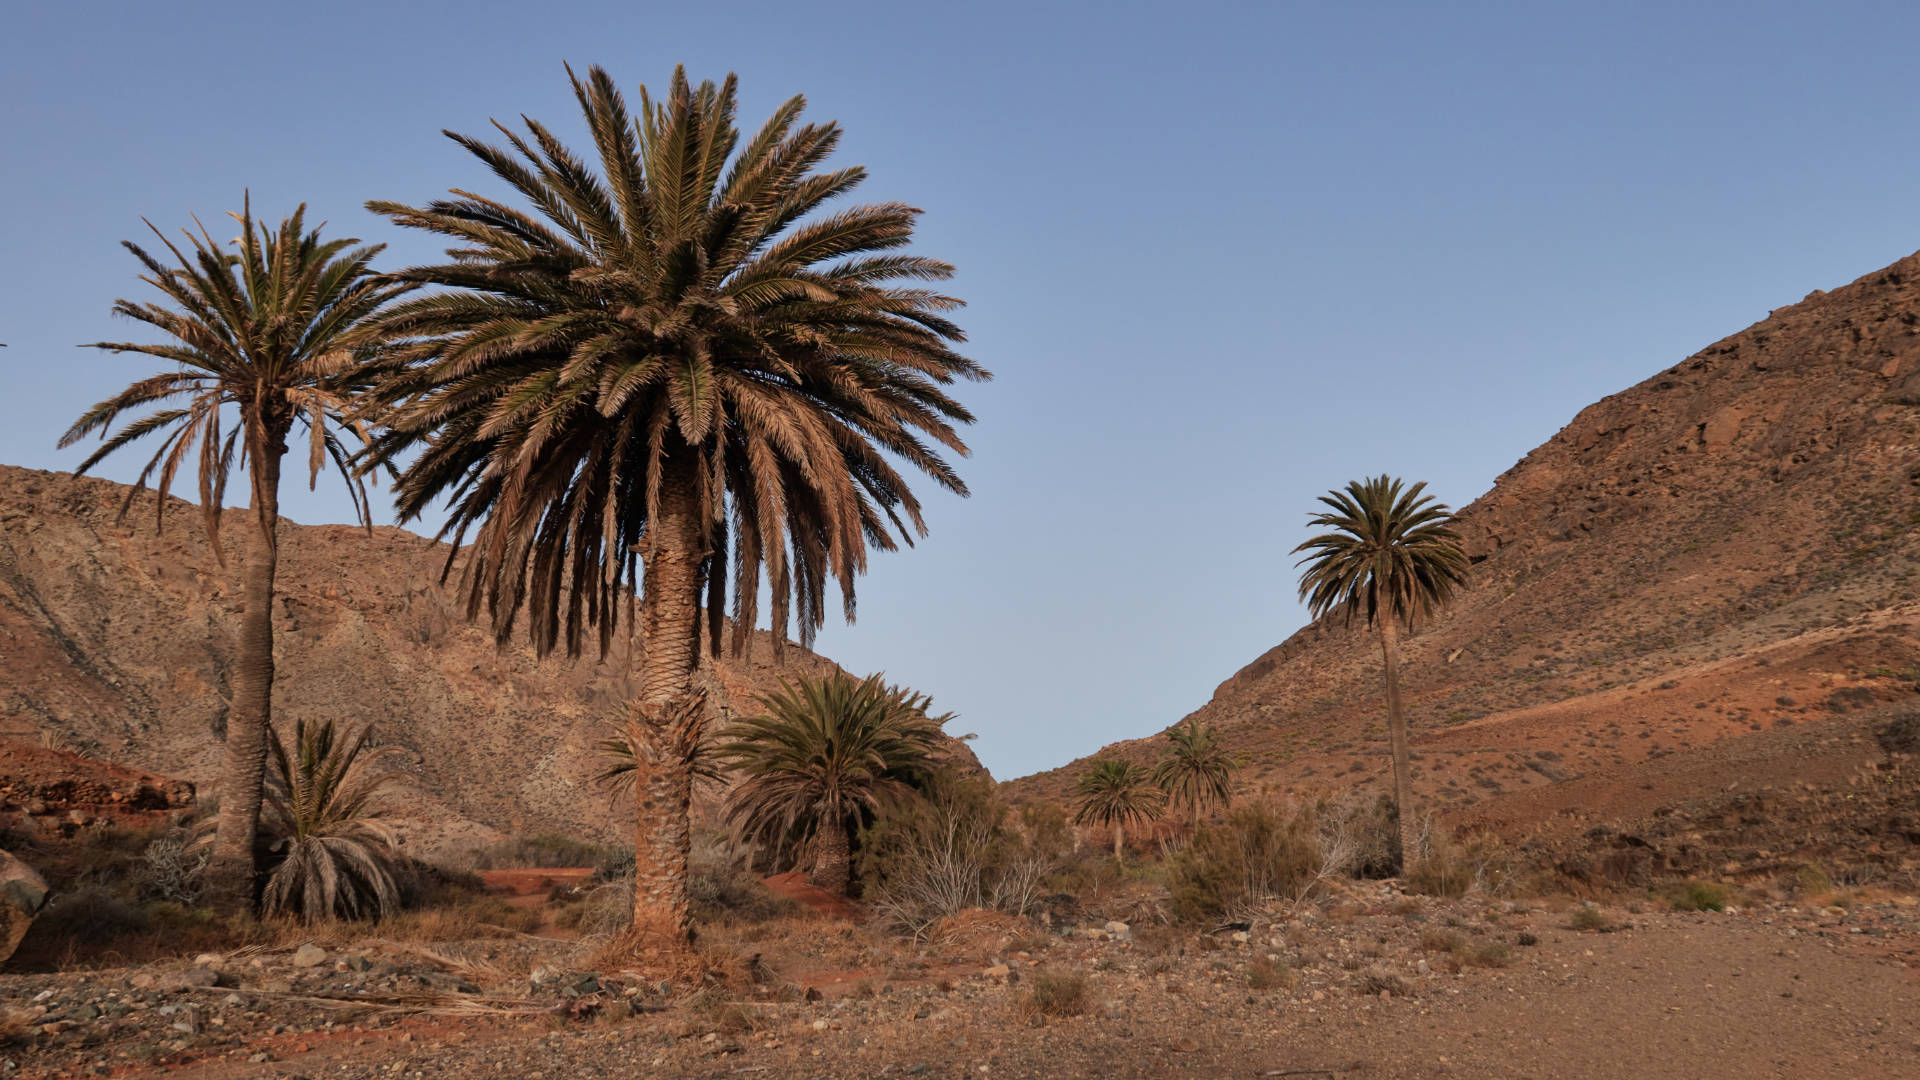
(1699, 896)
(1490, 954)
(544, 851)
(1588, 917)
(1055, 994)
(1378, 980)
(1901, 735)
(1267, 973)
(1446, 941)
(96, 926)
(714, 1008)
(1263, 850)
(945, 852)
(1446, 866)
(721, 888)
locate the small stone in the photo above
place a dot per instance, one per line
(141, 981)
(1119, 929)
(308, 955)
(357, 962)
(997, 971)
(200, 976)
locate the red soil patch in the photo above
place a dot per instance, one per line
(537, 881)
(793, 885)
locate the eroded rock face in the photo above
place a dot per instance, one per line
(22, 894)
(118, 640)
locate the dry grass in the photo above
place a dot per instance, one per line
(1268, 973)
(1588, 917)
(1055, 994)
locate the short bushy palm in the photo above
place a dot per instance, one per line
(678, 374)
(822, 758)
(1197, 771)
(262, 331)
(1391, 556)
(337, 857)
(1117, 793)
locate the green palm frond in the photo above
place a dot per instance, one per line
(1116, 792)
(1389, 552)
(259, 330)
(1197, 771)
(674, 308)
(338, 859)
(833, 748)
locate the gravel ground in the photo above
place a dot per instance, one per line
(1374, 985)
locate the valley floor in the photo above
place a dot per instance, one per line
(1472, 990)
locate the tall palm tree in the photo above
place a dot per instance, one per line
(263, 329)
(1117, 793)
(672, 362)
(1198, 770)
(822, 759)
(1390, 554)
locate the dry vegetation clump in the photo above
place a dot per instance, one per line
(1699, 896)
(542, 851)
(1589, 917)
(1268, 973)
(950, 850)
(1055, 994)
(1263, 850)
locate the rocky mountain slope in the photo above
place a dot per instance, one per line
(116, 641)
(1713, 568)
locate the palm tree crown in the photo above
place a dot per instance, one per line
(1389, 551)
(822, 759)
(678, 328)
(263, 330)
(1116, 793)
(1197, 770)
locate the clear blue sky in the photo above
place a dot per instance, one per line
(1221, 257)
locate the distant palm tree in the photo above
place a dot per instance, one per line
(1198, 770)
(669, 363)
(1390, 554)
(261, 329)
(1116, 794)
(820, 762)
(337, 857)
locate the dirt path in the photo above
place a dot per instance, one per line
(1675, 996)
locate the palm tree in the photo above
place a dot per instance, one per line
(669, 374)
(337, 857)
(821, 761)
(1390, 554)
(1117, 793)
(1197, 770)
(262, 329)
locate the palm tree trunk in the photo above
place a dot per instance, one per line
(665, 725)
(1119, 835)
(832, 858)
(231, 870)
(1397, 740)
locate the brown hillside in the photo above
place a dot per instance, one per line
(1705, 566)
(115, 641)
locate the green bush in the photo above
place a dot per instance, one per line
(1261, 851)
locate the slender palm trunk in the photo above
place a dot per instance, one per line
(1119, 835)
(665, 725)
(832, 858)
(231, 871)
(1397, 740)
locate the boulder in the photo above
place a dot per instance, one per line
(22, 893)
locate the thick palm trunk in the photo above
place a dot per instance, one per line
(665, 725)
(832, 858)
(231, 871)
(1397, 740)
